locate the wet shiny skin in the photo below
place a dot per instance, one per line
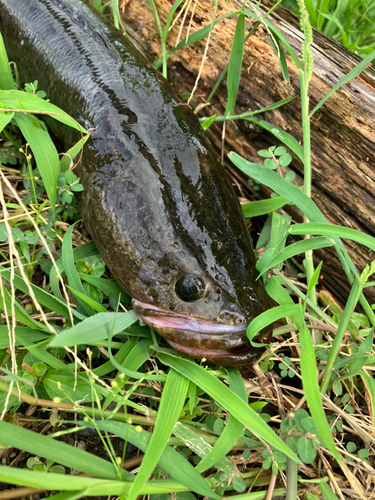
(156, 201)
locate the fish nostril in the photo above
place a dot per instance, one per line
(231, 317)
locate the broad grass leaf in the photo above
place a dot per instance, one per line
(268, 317)
(79, 253)
(235, 64)
(334, 20)
(134, 360)
(296, 249)
(350, 76)
(5, 119)
(307, 206)
(327, 492)
(171, 461)
(364, 348)
(119, 357)
(46, 447)
(90, 486)
(107, 287)
(88, 300)
(171, 404)
(229, 401)
(69, 156)
(233, 429)
(6, 79)
(94, 328)
(201, 447)
(207, 122)
(68, 495)
(262, 207)
(333, 231)
(46, 357)
(44, 151)
(279, 232)
(24, 336)
(312, 391)
(314, 278)
(71, 271)
(16, 99)
(71, 389)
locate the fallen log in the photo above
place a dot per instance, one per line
(342, 131)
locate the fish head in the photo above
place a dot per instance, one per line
(203, 307)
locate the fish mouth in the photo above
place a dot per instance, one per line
(217, 343)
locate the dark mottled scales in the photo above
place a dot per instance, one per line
(156, 201)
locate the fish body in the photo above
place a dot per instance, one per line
(156, 201)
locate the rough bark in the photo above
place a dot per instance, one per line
(343, 132)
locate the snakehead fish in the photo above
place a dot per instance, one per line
(156, 200)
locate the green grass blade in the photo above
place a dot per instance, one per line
(37, 444)
(202, 448)
(295, 249)
(46, 357)
(282, 297)
(79, 253)
(171, 404)
(350, 76)
(21, 315)
(279, 36)
(71, 271)
(134, 360)
(16, 99)
(88, 486)
(334, 232)
(106, 286)
(268, 317)
(88, 300)
(229, 401)
(168, 22)
(68, 495)
(44, 298)
(281, 135)
(69, 156)
(120, 356)
(5, 119)
(94, 328)
(233, 429)
(312, 392)
(327, 492)
(279, 185)
(262, 207)
(45, 154)
(6, 79)
(171, 461)
(24, 336)
(235, 64)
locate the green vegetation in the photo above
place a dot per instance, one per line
(350, 22)
(201, 417)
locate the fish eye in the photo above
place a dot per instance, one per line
(190, 287)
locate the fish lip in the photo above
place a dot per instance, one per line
(185, 334)
(160, 319)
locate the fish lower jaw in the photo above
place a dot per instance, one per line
(243, 355)
(217, 343)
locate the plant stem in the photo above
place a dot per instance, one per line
(354, 295)
(291, 483)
